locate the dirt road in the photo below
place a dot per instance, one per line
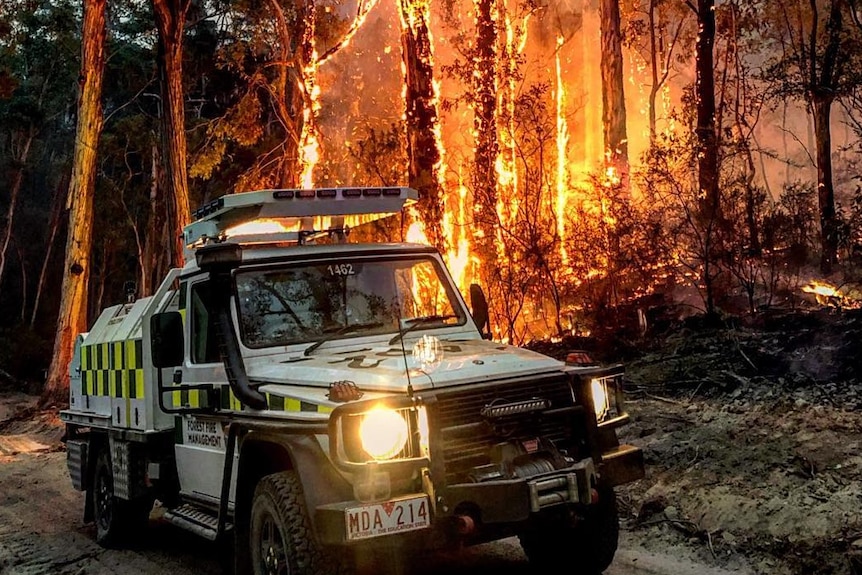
(41, 529)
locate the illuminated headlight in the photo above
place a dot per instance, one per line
(383, 433)
(601, 402)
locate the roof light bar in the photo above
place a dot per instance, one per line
(216, 217)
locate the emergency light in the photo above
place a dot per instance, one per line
(298, 211)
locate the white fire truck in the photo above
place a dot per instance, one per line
(307, 400)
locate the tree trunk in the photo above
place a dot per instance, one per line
(73, 303)
(825, 190)
(56, 211)
(170, 16)
(613, 91)
(13, 198)
(156, 256)
(654, 70)
(485, 126)
(288, 96)
(423, 152)
(23, 265)
(706, 131)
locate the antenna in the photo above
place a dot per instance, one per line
(404, 355)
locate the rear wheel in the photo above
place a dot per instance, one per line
(587, 545)
(281, 538)
(116, 519)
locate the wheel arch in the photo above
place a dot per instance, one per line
(262, 453)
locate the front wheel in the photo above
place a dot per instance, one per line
(587, 545)
(281, 538)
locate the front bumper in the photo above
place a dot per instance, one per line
(489, 506)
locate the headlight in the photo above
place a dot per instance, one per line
(383, 433)
(600, 398)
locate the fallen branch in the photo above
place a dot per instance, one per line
(664, 399)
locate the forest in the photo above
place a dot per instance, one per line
(585, 161)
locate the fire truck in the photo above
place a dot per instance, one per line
(307, 400)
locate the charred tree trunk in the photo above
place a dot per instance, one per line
(73, 303)
(613, 91)
(709, 208)
(823, 86)
(654, 39)
(825, 191)
(170, 16)
(423, 153)
(707, 168)
(485, 126)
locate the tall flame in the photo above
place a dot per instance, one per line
(308, 141)
(562, 159)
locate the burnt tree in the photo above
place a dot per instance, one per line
(423, 152)
(485, 126)
(613, 91)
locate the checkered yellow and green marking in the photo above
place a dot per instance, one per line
(113, 369)
(229, 402)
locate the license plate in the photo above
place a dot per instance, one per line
(394, 516)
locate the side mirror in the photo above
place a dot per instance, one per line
(479, 305)
(167, 340)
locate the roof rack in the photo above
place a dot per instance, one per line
(301, 213)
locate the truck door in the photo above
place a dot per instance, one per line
(201, 437)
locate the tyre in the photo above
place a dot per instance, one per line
(586, 546)
(281, 538)
(117, 520)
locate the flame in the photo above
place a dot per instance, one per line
(821, 289)
(259, 227)
(416, 233)
(458, 255)
(562, 160)
(309, 144)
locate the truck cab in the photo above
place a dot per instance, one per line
(309, 400)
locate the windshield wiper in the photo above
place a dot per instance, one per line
(341, 331)
(415, 322)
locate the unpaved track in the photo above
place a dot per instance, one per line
(42, 530)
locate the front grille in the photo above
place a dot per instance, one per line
(465, 439)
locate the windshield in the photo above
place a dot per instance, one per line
(308, 301)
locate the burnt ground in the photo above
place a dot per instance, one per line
(752, 434)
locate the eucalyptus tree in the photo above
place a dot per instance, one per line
(170, 17)
(73, 306)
